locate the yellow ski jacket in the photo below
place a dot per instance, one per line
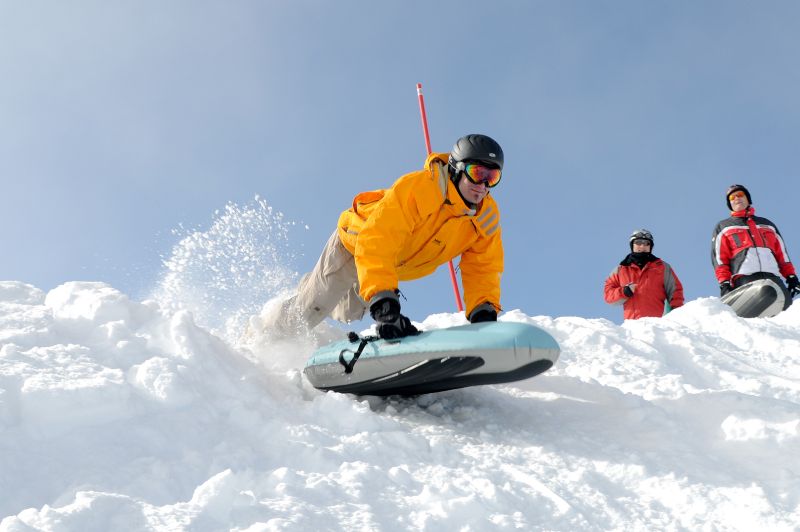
(407, 231)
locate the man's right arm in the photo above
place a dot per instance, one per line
(720, 255)
(613, 290)
(379, 242)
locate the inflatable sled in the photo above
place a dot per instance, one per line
(762, 298)
(433, 361)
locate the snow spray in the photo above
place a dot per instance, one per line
(224, 274)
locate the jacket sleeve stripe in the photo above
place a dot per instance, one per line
(490, 222)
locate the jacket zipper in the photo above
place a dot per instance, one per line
(759, 242)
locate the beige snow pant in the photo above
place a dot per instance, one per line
(329, 290)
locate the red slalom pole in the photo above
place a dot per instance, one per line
(424, 119)
(424, 116)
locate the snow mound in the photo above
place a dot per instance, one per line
(125, 415)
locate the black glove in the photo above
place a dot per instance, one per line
(793, 285)
(385, 310)
(725, 288)
(627, 290)
(483, 312)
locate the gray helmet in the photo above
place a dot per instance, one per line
(476, 148)
(641, 234)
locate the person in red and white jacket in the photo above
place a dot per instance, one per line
(746, 247)
(643, 284)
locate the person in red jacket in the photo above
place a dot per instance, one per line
(643, 284)
(746, 247)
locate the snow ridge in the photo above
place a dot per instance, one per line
(117, 414)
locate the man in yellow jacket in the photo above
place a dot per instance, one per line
(425, 219)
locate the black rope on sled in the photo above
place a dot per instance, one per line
(353, 337)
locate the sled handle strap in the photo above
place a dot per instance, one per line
(353, 337)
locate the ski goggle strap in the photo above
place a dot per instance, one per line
(477, 173)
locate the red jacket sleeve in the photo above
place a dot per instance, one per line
(613, 289)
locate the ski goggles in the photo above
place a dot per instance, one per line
(642, 242)
(734, 195)
(479, 174)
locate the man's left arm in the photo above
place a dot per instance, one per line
(673, 288)
(481, 268)
(782, 256)
(784, 264)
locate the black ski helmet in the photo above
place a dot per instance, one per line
(734, 188)
(476, 148)
(641, 234)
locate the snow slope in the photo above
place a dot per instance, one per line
(124, 415)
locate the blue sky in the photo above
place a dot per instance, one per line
(121, 121)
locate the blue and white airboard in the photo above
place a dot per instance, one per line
(433, 361)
